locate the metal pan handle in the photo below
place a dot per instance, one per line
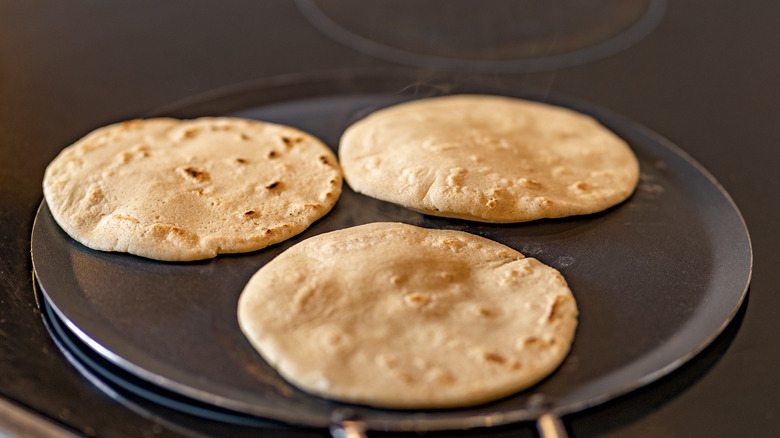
(346, 426)
(348, 429)
(549, 425)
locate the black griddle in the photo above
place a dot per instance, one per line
(656, 278)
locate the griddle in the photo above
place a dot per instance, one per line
(656, 278)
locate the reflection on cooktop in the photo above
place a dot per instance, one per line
(485, 35)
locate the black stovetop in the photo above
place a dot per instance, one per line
(701, 74)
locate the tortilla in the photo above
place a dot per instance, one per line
(488, 159)
(396, 316)
(180, 190)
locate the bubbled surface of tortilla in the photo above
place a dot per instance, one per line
(396, 316)
(488, 158)
(180, 190)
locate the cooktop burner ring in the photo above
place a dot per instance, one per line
(470, 35)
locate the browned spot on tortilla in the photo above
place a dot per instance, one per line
(494, 357)
(404, 377)
(173, 233)
(142, 150)
(482, 311)
(555, 309)
(195, 174)
(535, 342)
(451, 243)
(192, 132)
(94, 196)
(531, 341)
(289, 142)
(530, 183)
(581, 185)
(544, 202)
(440, 375)
(416, 299)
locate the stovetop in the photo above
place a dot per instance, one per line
(700, 75)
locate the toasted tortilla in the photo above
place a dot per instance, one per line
(488, 159)
(180, 190)
(396, 316)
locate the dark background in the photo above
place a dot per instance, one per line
(706, 78)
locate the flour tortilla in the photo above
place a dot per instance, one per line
(179, 190)
(396, 316)
(488, 158)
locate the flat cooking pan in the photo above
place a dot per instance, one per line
(656, 278)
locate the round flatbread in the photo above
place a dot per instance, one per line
(397, 316)
(181, 190)
(488, 158)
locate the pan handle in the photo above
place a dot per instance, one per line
(549, 425)
(345, 425)
(348, 429)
